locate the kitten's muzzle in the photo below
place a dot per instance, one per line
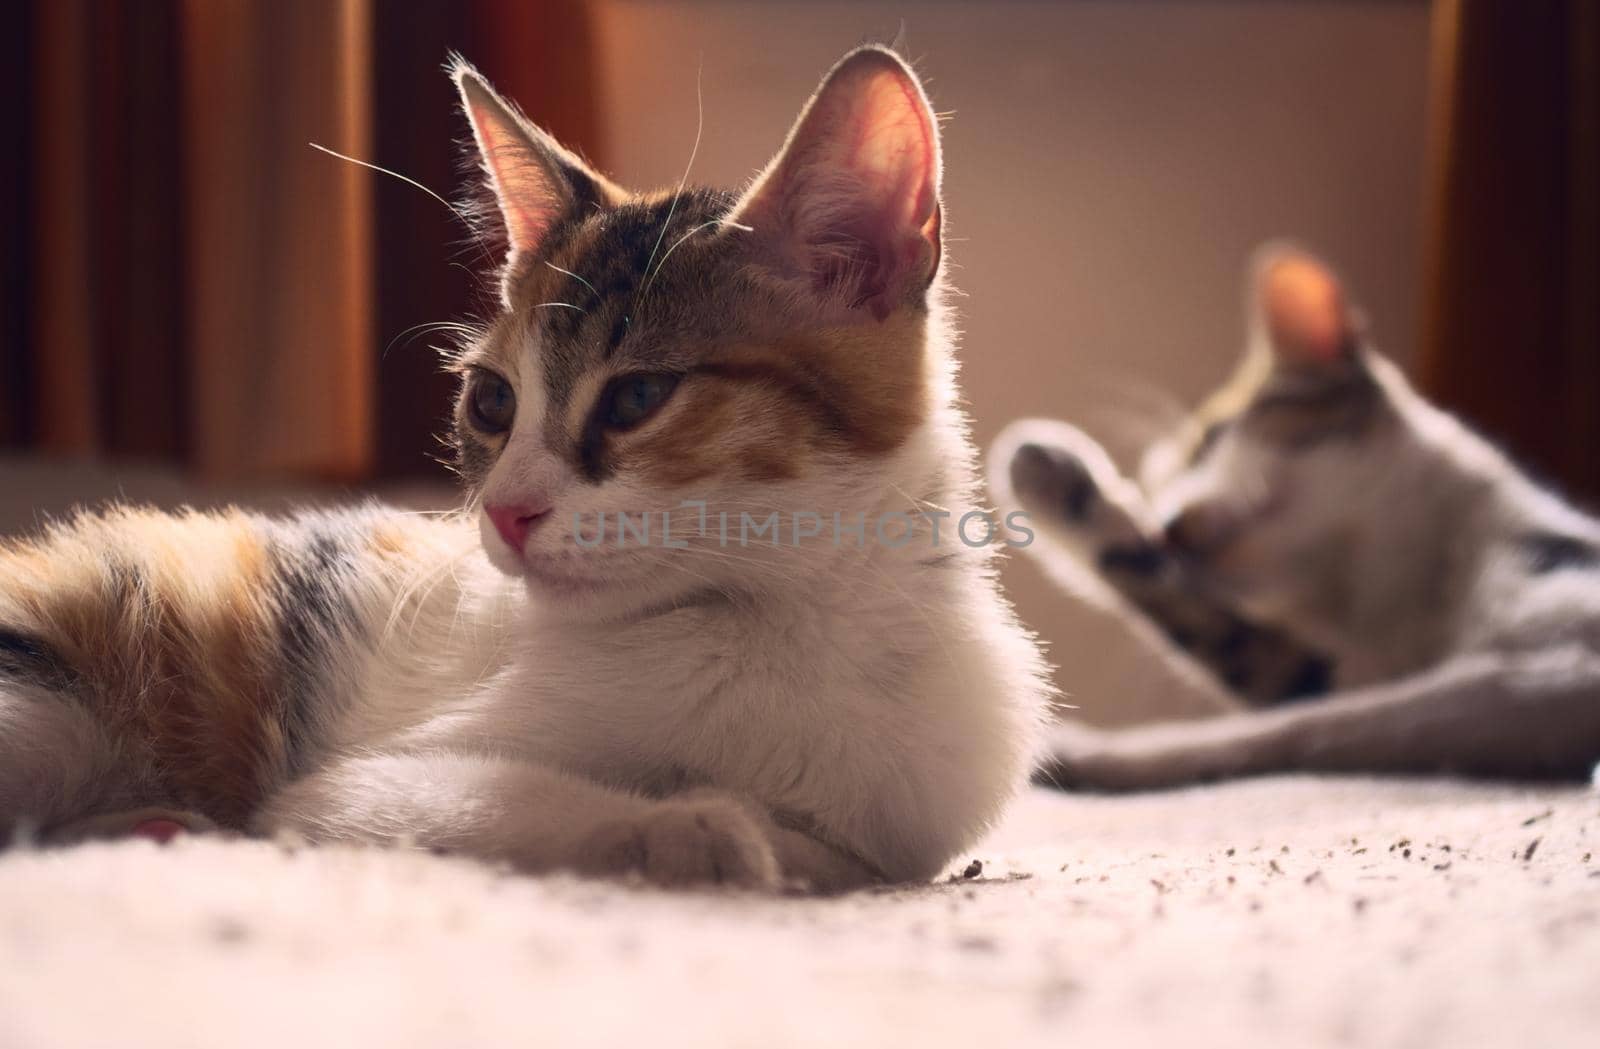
(514, 522)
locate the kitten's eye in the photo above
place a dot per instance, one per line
(491, 403)
(634, 398)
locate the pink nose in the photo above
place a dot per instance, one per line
(515, 522)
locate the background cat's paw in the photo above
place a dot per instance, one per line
(1068, 485)
(704, 839)
(1050, 479)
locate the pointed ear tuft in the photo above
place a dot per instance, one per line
(1300, 308)
(852, 201)
(535, 181)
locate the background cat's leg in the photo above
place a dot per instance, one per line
(537, 818)
(1263, 665)
(1522, 716)
(1069, 485)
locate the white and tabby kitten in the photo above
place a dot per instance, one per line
(815, 708)
(1316, 525)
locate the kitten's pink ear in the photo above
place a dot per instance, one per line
(1300, 306)
(536, 182)
(852, 201)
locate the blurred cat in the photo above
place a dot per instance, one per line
(1317, 527)
(827, 712)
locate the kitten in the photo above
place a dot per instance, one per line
(513, 684)
(1317, 525)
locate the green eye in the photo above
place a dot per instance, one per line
(634, 398)
(491, 403)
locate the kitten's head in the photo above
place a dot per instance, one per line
(1270, 484)
(758, 352)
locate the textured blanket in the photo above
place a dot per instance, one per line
(1279, 912)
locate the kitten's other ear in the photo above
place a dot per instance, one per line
(536, 182)
(851, 203)
(1298, 306)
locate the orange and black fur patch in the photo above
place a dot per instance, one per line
(203, 644)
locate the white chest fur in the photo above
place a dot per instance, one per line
(885, 716)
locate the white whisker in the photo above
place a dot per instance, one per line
(652, 277)
(700, 127)
(914, 501)
(466, 331)
(575, 277)
(457, 212)
(395, 174)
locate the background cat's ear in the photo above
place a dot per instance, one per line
(535, 181)
(852, 201)
(1299, 308)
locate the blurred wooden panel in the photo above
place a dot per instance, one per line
(17, 270)
(429, 267)
(425, 255)
(544, 56)
(135, 205)
(99, 350)
(279, 237)
(1512, 336)
(65, 389)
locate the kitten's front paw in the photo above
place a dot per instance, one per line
(696, 840)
